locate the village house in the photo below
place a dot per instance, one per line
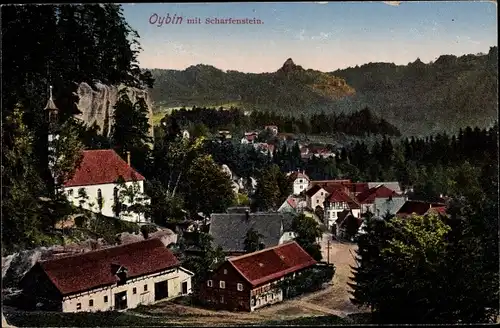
(294, 205)
(341, 225)
(251, 281)
(249, 137)
(229, 230)
(97, 177)
(300, 181)
(264, 148)
(389, 205)
(420, 208)
(336, 202)
(367, 198)
(115, 278)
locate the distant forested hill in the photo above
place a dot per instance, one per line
(418, 98)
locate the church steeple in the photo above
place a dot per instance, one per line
(53, 111)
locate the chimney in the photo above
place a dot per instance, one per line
(247, 215)
(128, 158)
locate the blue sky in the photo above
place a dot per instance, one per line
(322, 36)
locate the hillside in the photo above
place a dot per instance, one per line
(418, 98)
(290, 89)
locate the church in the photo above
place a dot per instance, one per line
(94, 185)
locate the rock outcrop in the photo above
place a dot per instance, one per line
(289, 66)
(97, 104)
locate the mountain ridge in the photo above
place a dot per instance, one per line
(419, 98)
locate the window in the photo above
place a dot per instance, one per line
(134, 290)
(209, 283)
(105, 299)
(239, 287)
(91, 302)
(317, 201)
(222, 298)
(70, 192)
(222, 284)
(300, 180)
(301, 187)
(225, 271)
(321, 193)
(78, 306)
(145, 288)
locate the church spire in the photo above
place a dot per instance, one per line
(50, 103)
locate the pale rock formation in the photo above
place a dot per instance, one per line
(97, 104)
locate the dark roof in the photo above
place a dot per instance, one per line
(313, 190)
(229, 229)
(90, 270)
(100, 167)
(419, 208)
(272, 263)
(368, 196)
(238, 209)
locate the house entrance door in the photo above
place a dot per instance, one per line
(184, 288)
(121, 300)
(161, 290)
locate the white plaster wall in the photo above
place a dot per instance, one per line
(175, 280)
(287, 235)
(107, 191)
(298, 186)
(318, 199)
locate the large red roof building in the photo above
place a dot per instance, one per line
(113, 278)
(249, 281)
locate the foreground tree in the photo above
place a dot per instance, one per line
(422, 270)
(207, 188)
(273, 187)
(207, 258)
(308, 232)
(253, 241)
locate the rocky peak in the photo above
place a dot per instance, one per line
(289, 66)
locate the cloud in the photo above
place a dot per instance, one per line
(301, 36)
(321, 36)
(321, 2)
(392, 3)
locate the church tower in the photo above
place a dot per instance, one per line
(53, 128)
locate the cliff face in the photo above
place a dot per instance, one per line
(97, 104)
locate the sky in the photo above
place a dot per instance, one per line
(318, 35)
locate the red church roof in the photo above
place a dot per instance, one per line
(90, 270)
(272, 263)
(100, 167)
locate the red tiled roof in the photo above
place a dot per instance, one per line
(420, 208)
(292, 202)
(368, 196)
(357, 187)
(90, 270)
(340, 196)
(330, 182)
(272, 263)
(100, 167)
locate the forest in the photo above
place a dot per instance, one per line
(360, 123)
